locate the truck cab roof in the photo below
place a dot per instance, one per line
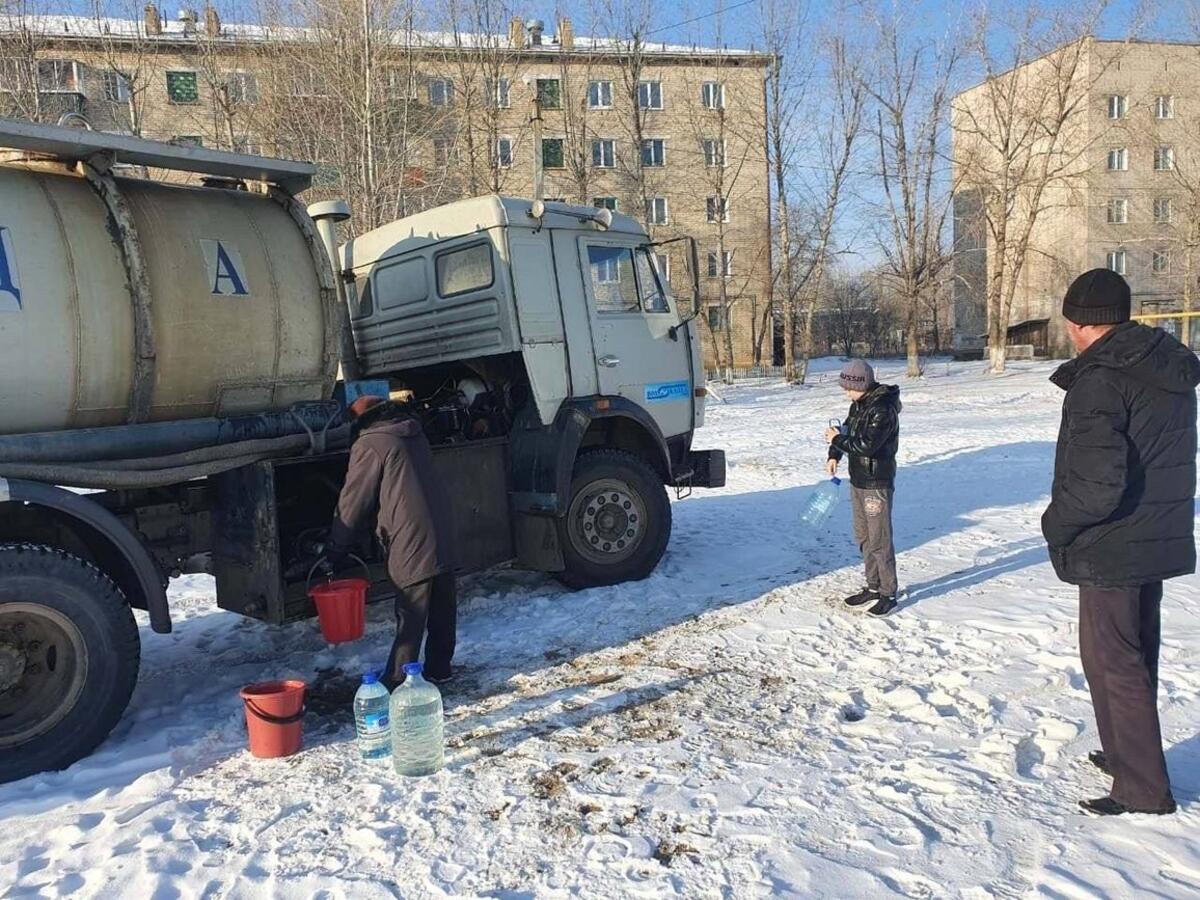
(464, 217)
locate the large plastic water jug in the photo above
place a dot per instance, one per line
(821, 503)
(416, 714)
(371, 718)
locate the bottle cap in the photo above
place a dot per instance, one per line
(836, 480)
(413, 668)
(370, 678)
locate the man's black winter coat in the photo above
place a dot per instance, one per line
(870, 437)
(1122, 507)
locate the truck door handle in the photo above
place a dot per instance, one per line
(609, 362)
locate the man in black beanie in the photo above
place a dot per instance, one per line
(1120, 520)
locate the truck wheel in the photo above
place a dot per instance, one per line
(68, 659)
(618, 521)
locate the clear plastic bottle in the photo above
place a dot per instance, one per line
(372, 718)
(416, 713)
(820, 503)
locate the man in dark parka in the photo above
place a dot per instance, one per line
(391, 480)
(1121, 520)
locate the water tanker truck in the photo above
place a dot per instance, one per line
(175, 360)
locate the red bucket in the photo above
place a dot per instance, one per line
(274, 717)
(341, 608)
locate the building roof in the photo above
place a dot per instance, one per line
(90, 28)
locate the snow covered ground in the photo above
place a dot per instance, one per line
(722, 729)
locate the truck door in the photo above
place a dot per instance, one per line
(640, 354)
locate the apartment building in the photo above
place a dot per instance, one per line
(1124, 193)
(673, 135)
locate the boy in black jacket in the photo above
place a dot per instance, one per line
(870, 436)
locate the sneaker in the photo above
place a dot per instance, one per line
(1100, 761)
(862, 598)
(1107, 806)
(884, 606)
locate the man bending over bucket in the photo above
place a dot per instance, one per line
(392, 478)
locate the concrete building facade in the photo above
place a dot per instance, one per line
(672, 135)
(1125, 194)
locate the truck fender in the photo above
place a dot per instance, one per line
(543, 456)
(136, 573)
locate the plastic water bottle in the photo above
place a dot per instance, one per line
(417, 743)
(820, 504)
(371, 718)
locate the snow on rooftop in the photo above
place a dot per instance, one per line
(83, 27)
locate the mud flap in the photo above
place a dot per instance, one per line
(537, 545)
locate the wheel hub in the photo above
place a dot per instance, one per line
(610, 521)
(43, 667)
(12, 666)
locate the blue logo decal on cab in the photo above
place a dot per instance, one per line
(667, 390)
(10, 279)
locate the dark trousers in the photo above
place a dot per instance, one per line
(1119, 631)
(427, 605)
(872, 509)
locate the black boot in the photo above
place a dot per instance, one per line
(862, 598)
(882, 607)
(1107, 806)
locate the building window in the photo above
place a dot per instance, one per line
(116, 87)
(549, 93)
(187, 140)
(441, 92)
(720, 264)
(327, 177)
(714, 153)
(401, 82)
(1162, 210)
(654, 152)
(1118, 159)
(718, 209)
(1164, 107)
(1118, 212)
(716, 317)
(552, 153)
(663, 261)
(712, 95)
(443, 151)
(500, 93)
(600, 95)
(1160, 262)
(656, 211)
(1164, 159)
(504, 153)
(650, 95)
(58, 76)
(242, 87)
(1118, 106)
(1116, 261)
(183, 87)
(604, 153)
(609, 203)
(309, 83)
(246, 145)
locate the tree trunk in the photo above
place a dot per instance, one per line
(913, 338)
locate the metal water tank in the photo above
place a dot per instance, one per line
(236, 315)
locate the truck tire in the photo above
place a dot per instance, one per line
(69, 653)
(618, 520)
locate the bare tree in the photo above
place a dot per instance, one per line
(349, 85)
(837, 140)
(129, 65)
(1022, 140)
(911, 88)
(22, 72)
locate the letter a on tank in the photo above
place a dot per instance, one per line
(226, 273)
(10, 282)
